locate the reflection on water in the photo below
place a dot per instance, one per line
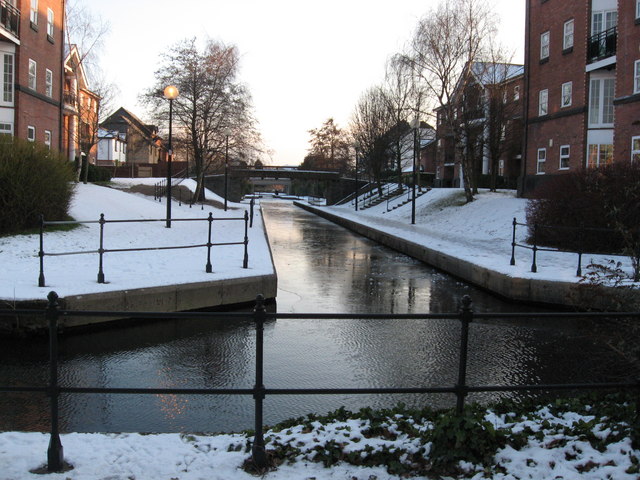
(321, 268)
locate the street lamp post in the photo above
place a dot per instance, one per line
(355, 147)
(227, 133)
(170, 93)
(416, 125)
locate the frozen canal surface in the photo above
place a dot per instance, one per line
(321, 268)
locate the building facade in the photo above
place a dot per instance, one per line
(582, 74)
(31, 54)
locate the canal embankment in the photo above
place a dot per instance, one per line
(474, 243)
(145, 266)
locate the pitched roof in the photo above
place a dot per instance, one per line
(490, 73)
(122, 116)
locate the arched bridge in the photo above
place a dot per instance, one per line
(284, 172)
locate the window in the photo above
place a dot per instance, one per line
(636, 76)
(543, 102)
(567, 39)
(33, 12)
(635, 149)
(599, 155)
(50, 23)
(47, 139)
(544, 45)
(31, 133)
(6, 129)
(637, 9)
(601, 94)
(33, 68)
(7, 79)
(48, 88)
(566, 94)
(602, 21)
(516, 91)
(565, 152)
(542, 158)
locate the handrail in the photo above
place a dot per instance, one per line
(465, 315)
(102, 250)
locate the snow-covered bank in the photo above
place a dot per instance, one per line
(553, 441)
(77, 274)
(479, 232)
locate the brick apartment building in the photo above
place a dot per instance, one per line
(582, 81)
(32, 49)
(487, 112)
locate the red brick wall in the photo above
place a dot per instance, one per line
(562, 125)
(627, 103)
(34, 108)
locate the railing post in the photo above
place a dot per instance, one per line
(534, 267)
(466, 317)
(245, 260)
(251, 204)
(208, 267)
(580, 240)
(513, 242)
(101, 249)
(258, 452)
(41, 253)
(55, 454)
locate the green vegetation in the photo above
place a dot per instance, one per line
(33, 181)
(483, 441)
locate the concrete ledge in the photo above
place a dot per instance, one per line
(566, 294)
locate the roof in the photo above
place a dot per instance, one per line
(122, 116)
(490, 73)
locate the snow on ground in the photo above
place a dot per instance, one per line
(479, 232)
(77, 274)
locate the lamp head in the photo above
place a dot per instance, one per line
(171, 92)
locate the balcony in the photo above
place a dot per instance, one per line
(10, 18)
(70, 101)
(602, 45)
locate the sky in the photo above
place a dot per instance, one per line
(304, 62)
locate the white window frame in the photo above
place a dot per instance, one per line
(543, 102)
(635, 146)
(567, 38)
(603, 20)
(33, 74)
(50, 23)
(47, 138)
(637, 9)
(516, 91)
(565, 156)
(48, 83)
(541, 161)
(636, 75)
(6, 128)
(599, 102)
(33, 12)
(8, 78)
(545, 42)
(567, 94)
(31, 133)
(600, 151)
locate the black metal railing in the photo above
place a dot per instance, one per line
(465, 316)
(580, 233)
(102, 250)
(10, 18)
(602, 45)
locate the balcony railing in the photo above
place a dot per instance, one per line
(602, 45)
(10, 18)
(69, 99)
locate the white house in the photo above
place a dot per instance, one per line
(112, 148)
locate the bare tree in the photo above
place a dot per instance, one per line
(446, 43)
(370, 123)
(329, 147)
(213, 106)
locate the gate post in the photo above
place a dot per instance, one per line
(54, 452)
(258, 452)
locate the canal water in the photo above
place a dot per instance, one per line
(321, 268)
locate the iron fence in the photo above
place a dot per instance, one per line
(102, 250)
(580, 233)
(465, 316)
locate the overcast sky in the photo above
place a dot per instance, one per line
(304, 61)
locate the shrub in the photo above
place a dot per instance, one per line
(96, 174)
(33, 180)
(601, 198)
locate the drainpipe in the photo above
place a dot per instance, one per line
(525, 136)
